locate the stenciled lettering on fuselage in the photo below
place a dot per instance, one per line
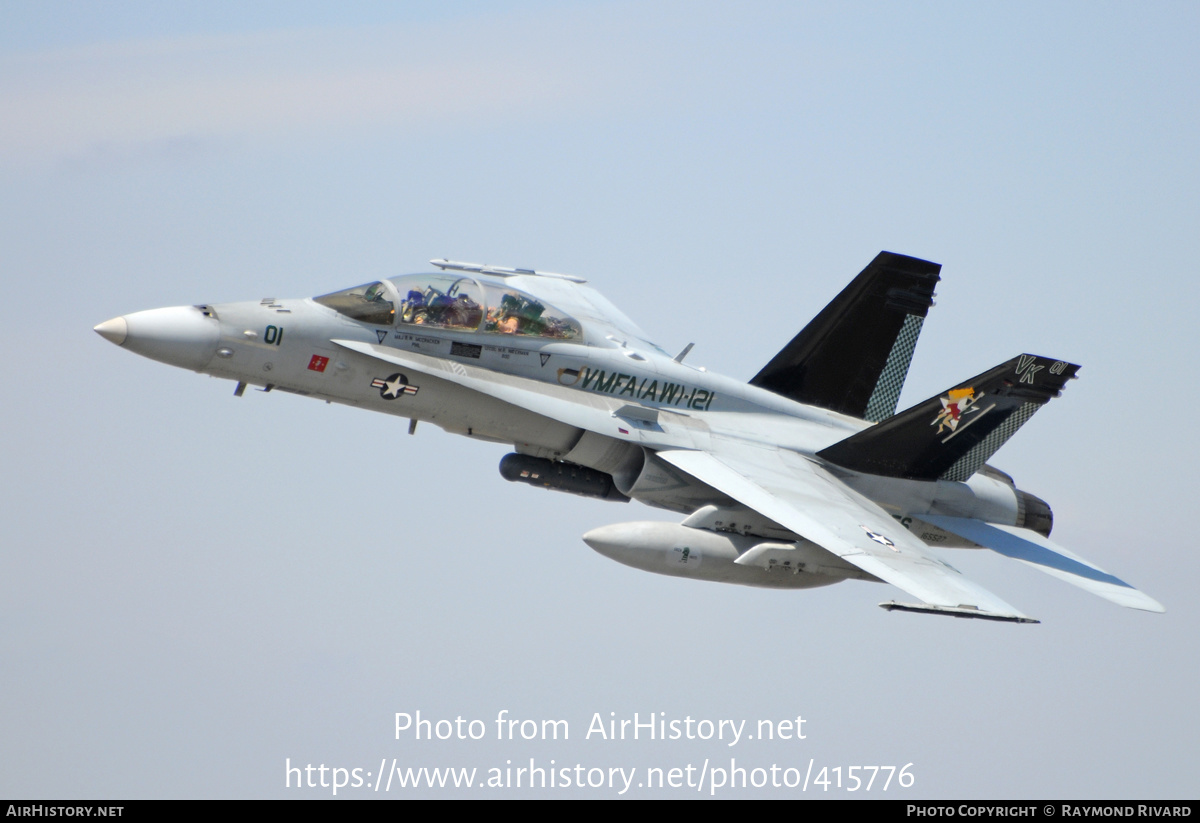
(649, 389)
(416, 341)
(506, 352)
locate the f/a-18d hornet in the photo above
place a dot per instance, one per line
(803, 477)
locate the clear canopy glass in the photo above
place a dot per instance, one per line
(368, 303)
(448, 301)
(465, 304)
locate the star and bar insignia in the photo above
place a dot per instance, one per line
(879, 538)
(392, 387)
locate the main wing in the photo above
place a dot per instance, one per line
(801, 496)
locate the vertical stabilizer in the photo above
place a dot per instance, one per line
(853, 357)
(950, 436)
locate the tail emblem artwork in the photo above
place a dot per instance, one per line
(955, 404)
(806, 475)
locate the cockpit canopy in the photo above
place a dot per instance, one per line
(446, 301)
(367, 303)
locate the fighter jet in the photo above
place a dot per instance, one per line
(804, 476)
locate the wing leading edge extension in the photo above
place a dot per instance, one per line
(594, 412)
(803, 497)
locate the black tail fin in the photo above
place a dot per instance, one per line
(951, 436)
(853, 357)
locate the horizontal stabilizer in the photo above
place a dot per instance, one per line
(1040, 553)
(853, 357)
(951, 435)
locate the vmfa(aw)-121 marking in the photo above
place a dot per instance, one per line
(803, 477)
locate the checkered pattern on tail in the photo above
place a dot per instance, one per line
(882, 404)
(974, 459)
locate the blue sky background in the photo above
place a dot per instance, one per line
(197, 587)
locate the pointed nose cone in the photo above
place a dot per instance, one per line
(113, 331)
(179, 336)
